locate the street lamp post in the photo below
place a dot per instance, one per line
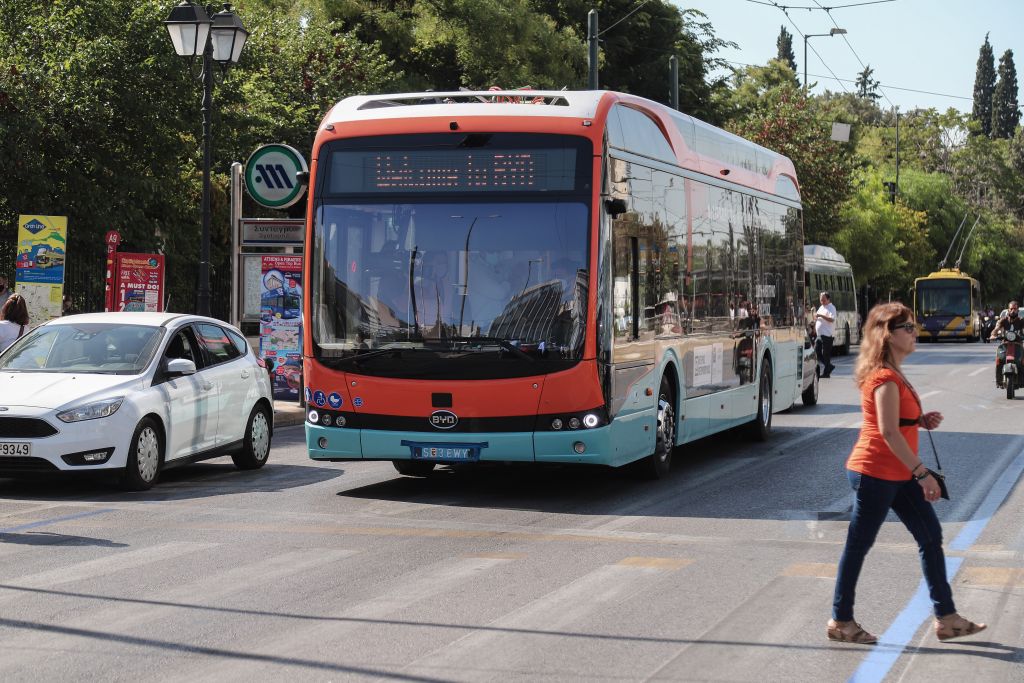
(217, 39)
(833, 32)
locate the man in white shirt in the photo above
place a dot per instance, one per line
(825, 329)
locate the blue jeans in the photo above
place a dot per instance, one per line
(873, 498)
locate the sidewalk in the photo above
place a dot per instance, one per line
(288, 413)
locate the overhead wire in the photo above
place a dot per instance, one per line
(850, 45)
(804, 36)
(631, 13)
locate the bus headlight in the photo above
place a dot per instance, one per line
(556, 424)
(313, 417)
(590, 420)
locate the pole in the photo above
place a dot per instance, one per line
(592, 42)
(465, 285)
(897, 150)
(236, 222)
(805, 66)
(673, 63)
(203, 298)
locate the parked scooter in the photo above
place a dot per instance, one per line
(988, 323)
(1012, 349)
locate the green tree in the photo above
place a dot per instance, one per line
(785, 121)
(984, 85)
(784, 45)
(867, 87)
(1005, 112)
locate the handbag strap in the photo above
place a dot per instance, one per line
(920, 408)
(934, 452)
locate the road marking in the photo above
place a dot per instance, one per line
(489, 648)
(979, 371)
(655, 562)
(930, 393)
(877, 664)
(182, 599)
(821, 570)
(52, 520)
(1003, 577)
(103, 566)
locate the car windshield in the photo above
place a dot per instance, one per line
(85, 348)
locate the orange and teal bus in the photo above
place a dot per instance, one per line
(947, 304)
(556, 277)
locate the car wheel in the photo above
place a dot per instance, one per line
(810, 395)
(256, 443)
(658, 464)
(413, 468)
(145, 456)
(761, 426)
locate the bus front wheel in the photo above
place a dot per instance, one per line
(657, 464)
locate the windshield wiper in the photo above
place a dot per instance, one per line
(492, 341)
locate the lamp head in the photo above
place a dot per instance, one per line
(837, 31)
(189, 27)
(228, 36)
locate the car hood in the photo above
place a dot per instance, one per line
(55, 390)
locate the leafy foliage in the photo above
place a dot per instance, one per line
(984, 85)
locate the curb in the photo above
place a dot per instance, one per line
(287, 414)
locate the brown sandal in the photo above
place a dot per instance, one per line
(955, 626)
(849, 632)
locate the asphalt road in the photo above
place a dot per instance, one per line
(722, 572)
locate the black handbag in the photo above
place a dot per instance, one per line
(939, 476)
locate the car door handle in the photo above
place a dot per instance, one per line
(206, 386)
(245, 374)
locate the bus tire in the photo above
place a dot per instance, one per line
(844, 350)
(810, 395)
(658, 464)
(761, 426)
(413, 468)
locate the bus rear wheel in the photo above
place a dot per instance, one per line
(761, 426)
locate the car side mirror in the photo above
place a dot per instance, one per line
(180, 367)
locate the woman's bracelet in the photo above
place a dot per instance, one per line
(917, 467)
(923, 475)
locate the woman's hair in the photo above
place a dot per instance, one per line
(875, 336)
(15, 310)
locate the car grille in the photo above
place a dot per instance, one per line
(25, 428)
(22, 464)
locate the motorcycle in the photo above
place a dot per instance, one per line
(1011, 348)
(988, 323)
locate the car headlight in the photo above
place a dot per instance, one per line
(91, 411)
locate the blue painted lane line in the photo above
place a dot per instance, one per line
(893, 642)
(54, 520)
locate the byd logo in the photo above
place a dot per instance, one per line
(443, 419)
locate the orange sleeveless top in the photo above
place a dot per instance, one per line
(871, 455)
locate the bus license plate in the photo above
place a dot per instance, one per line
(15, 449)
(453, 453)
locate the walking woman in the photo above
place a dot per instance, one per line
(887, 474)
(13, 320)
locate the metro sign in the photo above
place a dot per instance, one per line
(270, 176)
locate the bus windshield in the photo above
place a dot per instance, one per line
(453, 277)
(944, 297)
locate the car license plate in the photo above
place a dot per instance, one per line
(445, 452)
(15, 449)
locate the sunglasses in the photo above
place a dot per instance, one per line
(909, 327)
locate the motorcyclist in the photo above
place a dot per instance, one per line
(1013, 322)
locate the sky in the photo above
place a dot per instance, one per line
(922, 45)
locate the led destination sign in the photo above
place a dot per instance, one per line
(453, 170)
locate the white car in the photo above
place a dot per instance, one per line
(134, 393)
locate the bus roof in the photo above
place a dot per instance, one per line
(694, 144)
(945, 274)
(822, 253)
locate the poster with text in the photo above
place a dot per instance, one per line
(281, 321)
(39, 275)
(140, 283)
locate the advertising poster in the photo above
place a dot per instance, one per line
(42, 246)
(281, 321)
(140, 283)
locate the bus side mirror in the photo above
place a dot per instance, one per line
(302, 177)
(615, 207)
